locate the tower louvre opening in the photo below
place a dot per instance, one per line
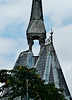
(36, 48)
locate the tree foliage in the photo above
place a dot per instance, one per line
(23, 80)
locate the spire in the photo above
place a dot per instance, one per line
(36, 13)
(36, 29)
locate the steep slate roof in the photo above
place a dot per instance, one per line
(49, 68)
(47, 65)
(22, 59)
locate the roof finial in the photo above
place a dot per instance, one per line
(51, 36)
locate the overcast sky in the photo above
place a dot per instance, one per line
(14, 19)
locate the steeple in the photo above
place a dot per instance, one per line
(36, 13)
(36, 29)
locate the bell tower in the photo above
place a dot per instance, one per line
(36, 29)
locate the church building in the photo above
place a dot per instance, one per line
(46, 62)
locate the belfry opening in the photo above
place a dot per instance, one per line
(36, 48)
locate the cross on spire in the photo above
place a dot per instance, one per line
(51, 36)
